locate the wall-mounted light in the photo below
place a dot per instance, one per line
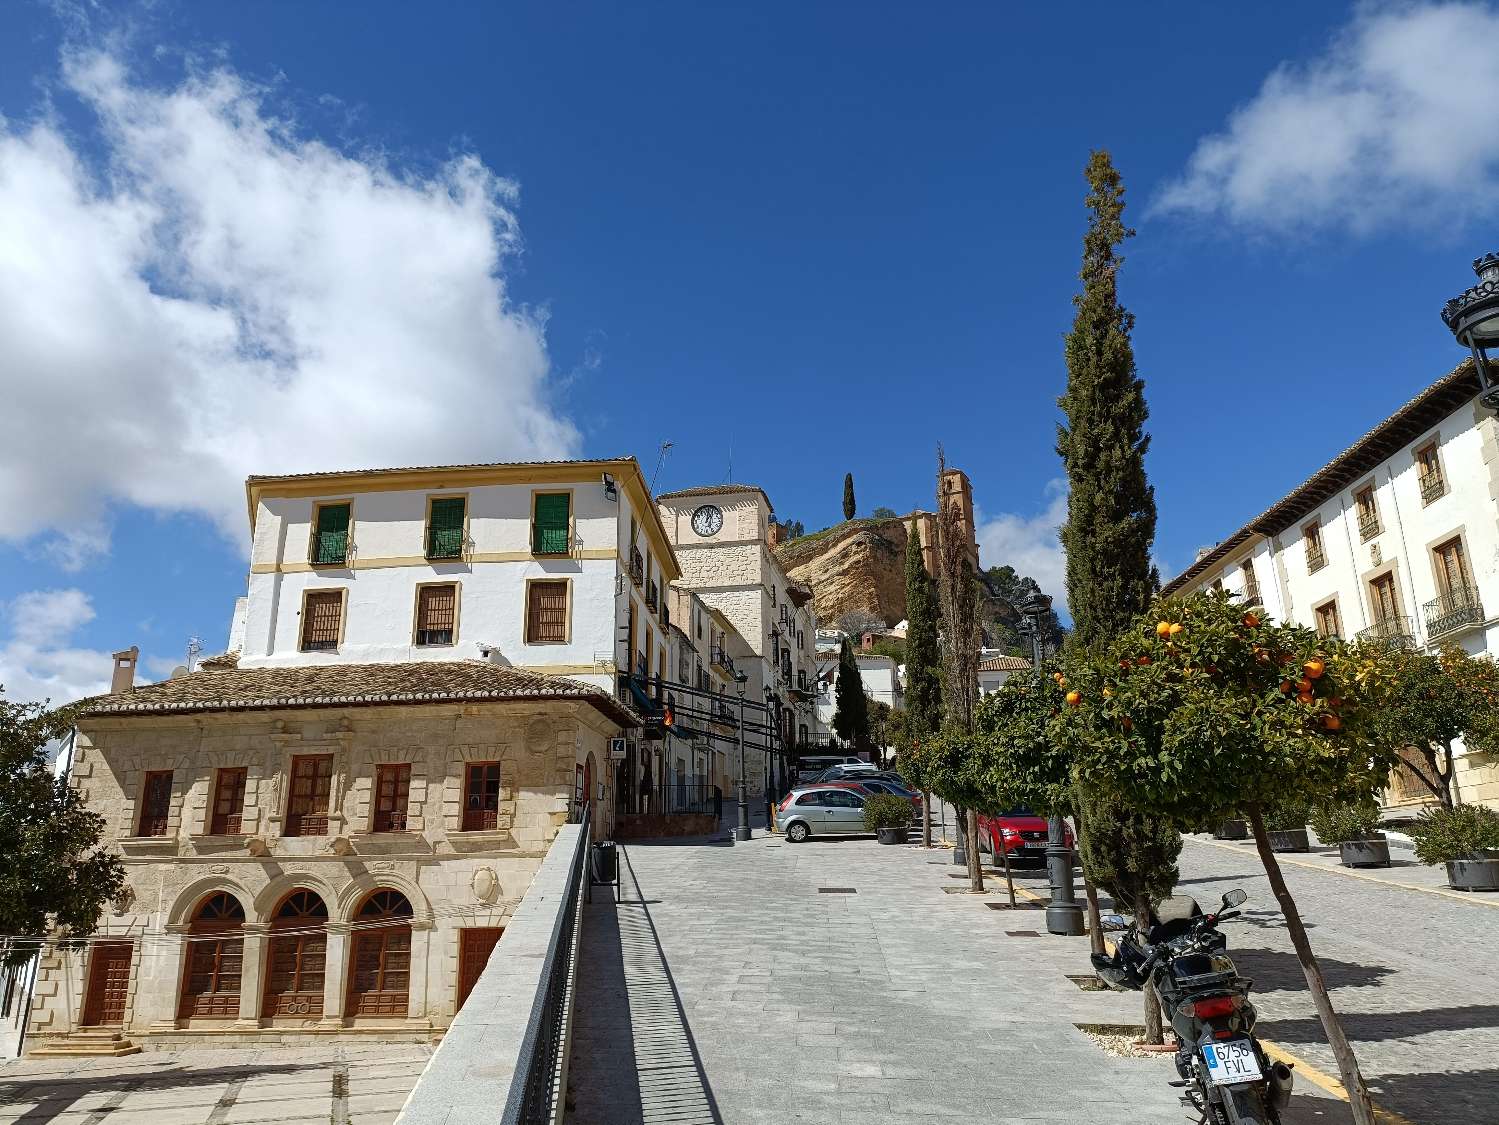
(611, 490)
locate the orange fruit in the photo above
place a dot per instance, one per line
(1074, 698)
(1306, 697)
(1059, 677)
(1175, 629)
(1142, 659)
(1251, 620)
(1304, 686)
(1285, 686)
(1314, 669)
(1163, 629)
(1332, 722)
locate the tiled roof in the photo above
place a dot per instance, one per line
(711, 489)
(1004, 664)
(352, 685)
(1440, 400)
(267, 479)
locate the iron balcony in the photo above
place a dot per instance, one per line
(1456, 609)
(1396, 632)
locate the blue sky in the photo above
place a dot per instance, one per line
(829, 236)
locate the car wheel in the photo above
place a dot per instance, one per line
(797, 832)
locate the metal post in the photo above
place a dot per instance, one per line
(742, 832)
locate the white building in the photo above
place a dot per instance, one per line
(1395, 539)
(995, 669)
(881, 677)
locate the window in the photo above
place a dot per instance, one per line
(840, 799)
(436, 614)
(811, 799)
(1251, 583)
(1429, 473)
(311, 787)
(156, 803)
(445, 531)
(322, 620)
(1368, 513)
(392, 790)
(551, 530)
(1315, 558)
(215, 956)
(380, 958)
(481, 797)
(1328, 624)
(297, 958)
(1386, 604)
(228, 802)
(1452, 567)
(546, 613)
(330, 535)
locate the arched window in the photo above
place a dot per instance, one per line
(380, 968)
(298, 952)
(215, 953)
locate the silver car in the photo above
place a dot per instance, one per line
(820, 811)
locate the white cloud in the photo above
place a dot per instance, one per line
(1389, 125)
(37, 658)
(222, 295)
(1029, 543)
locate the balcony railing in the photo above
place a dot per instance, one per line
(650, 596)
(1433, 486)
(1396, 632)
(1368, 526)
(637, 566)
(1316, 558)
(1457, 608)
(722, 659)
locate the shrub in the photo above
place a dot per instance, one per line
(1287, 816)
(1443, 835)
(1336, 823)
(885, 810)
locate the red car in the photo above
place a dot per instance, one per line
(1020, 832)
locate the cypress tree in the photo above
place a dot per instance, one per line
(923, 685)
(1109, 532)
(848, 496)
(851, 705)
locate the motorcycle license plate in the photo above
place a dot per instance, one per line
(1231, 1062)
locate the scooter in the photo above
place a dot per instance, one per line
(1226, 1074)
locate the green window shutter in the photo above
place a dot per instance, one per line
(332, 543)
(445, 528)
(549, 534)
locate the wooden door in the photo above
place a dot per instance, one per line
(381, 972)
(108, 983)
(1452, 568)
(474, 948)
(1386, 607)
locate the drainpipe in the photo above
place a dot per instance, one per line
(1405, 553)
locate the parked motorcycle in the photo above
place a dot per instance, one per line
(1227, 1075)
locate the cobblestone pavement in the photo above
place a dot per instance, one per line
(1414, 975)
(357, 1085)
(745, 984)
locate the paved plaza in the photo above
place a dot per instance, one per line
(355, 1085)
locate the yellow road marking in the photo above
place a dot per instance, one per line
(1316, 1077)
(1472, 899)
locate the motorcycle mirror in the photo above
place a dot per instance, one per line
(1234, 897)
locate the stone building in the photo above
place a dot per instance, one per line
(316, 852)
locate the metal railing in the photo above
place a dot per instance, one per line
(681, 798)
(1453, 610)
(650, 596)
(1433, 485)
(1397, 632)
(637, 566)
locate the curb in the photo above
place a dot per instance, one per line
(1326, 1081)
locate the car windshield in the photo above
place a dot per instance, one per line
(1018, 810)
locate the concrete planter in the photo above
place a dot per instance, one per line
(1289, 840)
(1232, 830)
(1473, 874)
(893, 835)
(1373, 851)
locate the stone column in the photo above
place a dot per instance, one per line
(164, 985)
(336, 973)
(422, 945)
(252, 973)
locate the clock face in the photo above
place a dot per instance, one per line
(707, 520)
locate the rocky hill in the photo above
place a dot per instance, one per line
(856, 565)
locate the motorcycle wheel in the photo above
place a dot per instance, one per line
(1246, 1105)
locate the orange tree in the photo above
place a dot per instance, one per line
(1203, 710)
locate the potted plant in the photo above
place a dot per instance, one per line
(888, 816)
(1286, 827)
(1354, 828)
(1466, 839)
(1231, 830)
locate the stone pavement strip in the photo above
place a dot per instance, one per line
(745, 984)
(363, 1084)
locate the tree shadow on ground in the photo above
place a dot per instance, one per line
(49, 1095)
(1275, 970)
(1455, 1097)
(1373, 1027)
(1221, 879)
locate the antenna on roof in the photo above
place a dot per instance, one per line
(731, 459)
(660, 460)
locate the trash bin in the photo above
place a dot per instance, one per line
(605, 863)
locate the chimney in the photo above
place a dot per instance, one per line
(124, 671)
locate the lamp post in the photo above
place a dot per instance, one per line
(742, 832)
(1063, 915)
(1473, 317)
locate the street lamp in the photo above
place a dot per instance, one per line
(742, 832)
(1063, 915)
(1473, 317)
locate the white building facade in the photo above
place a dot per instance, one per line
(1397, 539)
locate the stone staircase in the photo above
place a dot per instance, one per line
(88, 1042)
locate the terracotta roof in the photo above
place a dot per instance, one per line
(352, 685)
(269, 479)
(1440, 400)
(710, 489)
(1004, 664)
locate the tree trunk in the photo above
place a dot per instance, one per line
(1004, 859)
(926, 820)
(960, 830)
(975, 864)
(1095, 923)
(1155, 1031)
(1353, 1081)
(1452, 799)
